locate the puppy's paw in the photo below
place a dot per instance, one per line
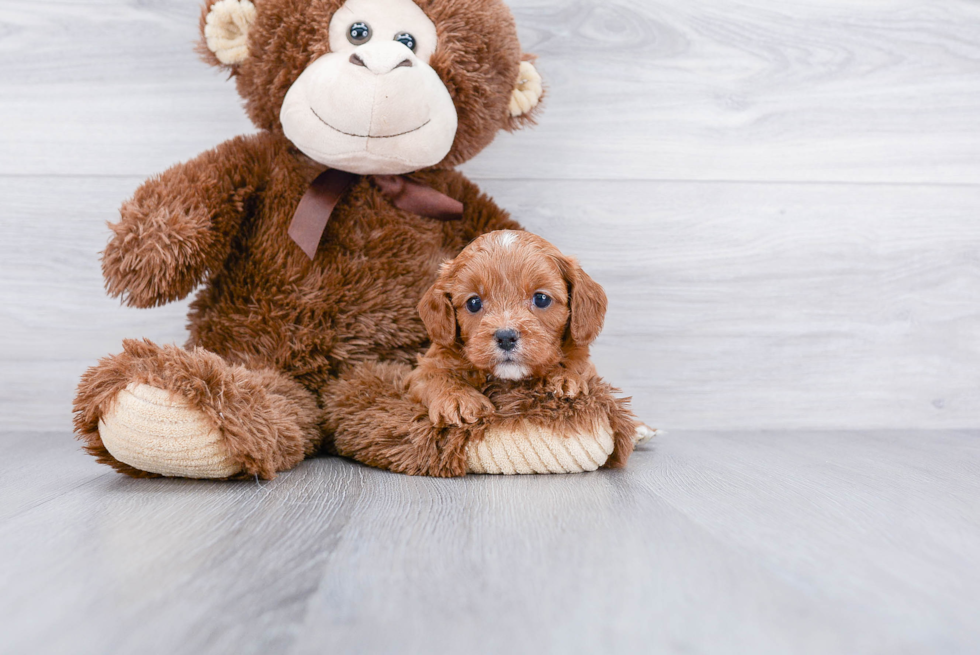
(459, 408)
(566, 384)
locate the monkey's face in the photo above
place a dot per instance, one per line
(376, 86)
(373, 104)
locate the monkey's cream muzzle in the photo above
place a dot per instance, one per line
(375, 108)
(379, 117)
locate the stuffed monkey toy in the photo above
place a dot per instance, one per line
(311, 243)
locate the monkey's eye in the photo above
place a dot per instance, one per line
(542, 300)
(359, 33)
(474, 305)
(407, 40)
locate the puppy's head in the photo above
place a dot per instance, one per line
(513, 304)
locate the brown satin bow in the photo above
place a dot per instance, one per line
(313, 212)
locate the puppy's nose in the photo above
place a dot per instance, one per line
(506, 339)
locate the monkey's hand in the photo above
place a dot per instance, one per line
(158, 251)
(462, 405)
(179, 225)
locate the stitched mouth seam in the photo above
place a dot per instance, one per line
(368, 136)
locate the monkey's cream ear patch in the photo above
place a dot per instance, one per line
(226, 30)
(528, 91)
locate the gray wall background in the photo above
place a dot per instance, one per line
(781, 198)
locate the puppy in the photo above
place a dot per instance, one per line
(509, 307)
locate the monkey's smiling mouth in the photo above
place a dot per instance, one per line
(370, 136)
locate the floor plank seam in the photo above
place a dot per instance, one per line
(42, 503)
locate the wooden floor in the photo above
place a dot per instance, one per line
(782, 200)
(754, 542)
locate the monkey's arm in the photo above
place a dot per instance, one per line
(179, 225)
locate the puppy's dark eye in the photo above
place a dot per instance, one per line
(474, 304)
(359, 33)
(406, 40)
(542, 300)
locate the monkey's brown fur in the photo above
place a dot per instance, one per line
(279, 343)
(266, 417)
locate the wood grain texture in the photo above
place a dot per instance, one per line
(732, 306)
(802, 90)
(739, 306)
(802, 542)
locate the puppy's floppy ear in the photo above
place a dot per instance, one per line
(224, 26)
(437, 312)
(587, 304)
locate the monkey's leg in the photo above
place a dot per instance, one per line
(368, 416)
(162, 410)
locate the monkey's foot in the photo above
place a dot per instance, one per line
(161, 410)
(540, 449)
(157, 431)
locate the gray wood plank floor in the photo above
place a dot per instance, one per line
(752, 542)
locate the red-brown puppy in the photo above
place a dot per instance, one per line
(510, 306)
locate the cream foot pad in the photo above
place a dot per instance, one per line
(540, 449)
(153, 430)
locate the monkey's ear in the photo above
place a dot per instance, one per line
(527, 94)
(587, 305)
(437, 312)
(225, 25)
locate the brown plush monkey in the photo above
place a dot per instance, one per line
(311, 241)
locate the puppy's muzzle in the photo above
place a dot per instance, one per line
(506, 339)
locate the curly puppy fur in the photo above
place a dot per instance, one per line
(470, 379)
(510, 306)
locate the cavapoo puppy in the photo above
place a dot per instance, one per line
(509, 307)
